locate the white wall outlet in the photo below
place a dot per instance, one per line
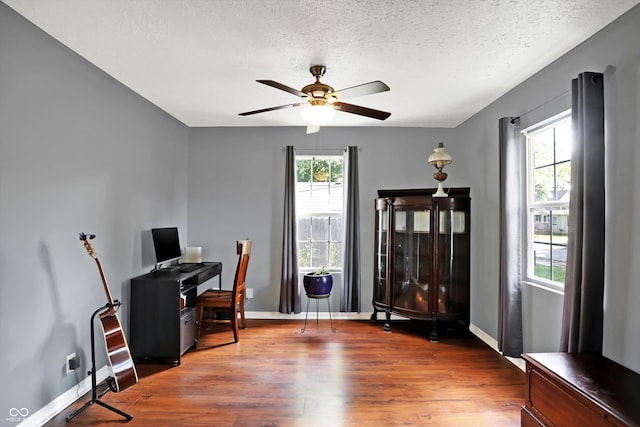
(67, 365)
(248, 293)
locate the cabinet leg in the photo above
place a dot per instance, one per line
(387, 325)
(374, 315)
(433, 337)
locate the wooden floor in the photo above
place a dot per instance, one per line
(277, 376)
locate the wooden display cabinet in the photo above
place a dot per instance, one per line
(421, 266)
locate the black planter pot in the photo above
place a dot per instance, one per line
(318, 284)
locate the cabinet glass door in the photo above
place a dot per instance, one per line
(380, 253)
(412, 255)
(453, 262)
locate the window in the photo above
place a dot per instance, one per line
(548, 186)
(319, 207)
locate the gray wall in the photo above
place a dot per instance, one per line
(236, 179)
(78, 152)
(614, 51)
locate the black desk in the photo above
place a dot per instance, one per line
(163, 312)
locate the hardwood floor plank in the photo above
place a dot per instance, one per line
(276, 376)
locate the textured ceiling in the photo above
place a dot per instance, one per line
(443, 59)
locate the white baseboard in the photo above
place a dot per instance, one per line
(57, 405)
(274, 315)
(493, 343)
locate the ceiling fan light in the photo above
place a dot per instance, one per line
(317, 115)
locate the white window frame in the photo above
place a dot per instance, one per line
(328, 155)
(533, 208)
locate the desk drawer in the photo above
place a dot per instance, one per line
(208, 274)
(187, 329)
(209, 271)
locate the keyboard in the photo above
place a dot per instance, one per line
(188, 268)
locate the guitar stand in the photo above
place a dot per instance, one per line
(109, 382)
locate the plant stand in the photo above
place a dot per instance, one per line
(317, 297)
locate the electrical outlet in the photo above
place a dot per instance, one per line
(73, 363)
(248, 293)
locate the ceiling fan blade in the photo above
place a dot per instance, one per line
(282, 87)
(361, 90)
(362, 111)
(280, 107)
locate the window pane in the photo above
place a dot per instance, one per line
(320, 229)
(542, 144)
(303, 170)
(541, 226)
(542, 260)
(558, 263)
(336, 171)
(335, 255)
(304, 255)
(320, 170)
(304, 229)
(563, 141)
(543, 184)
(335, 197)
(563, 180)
(320, 254)
(560, 225)
(335, 229)
(550, 262)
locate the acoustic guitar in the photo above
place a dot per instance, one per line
(124, 371)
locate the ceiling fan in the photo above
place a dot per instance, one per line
(321, 101)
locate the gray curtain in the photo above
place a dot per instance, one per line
(350, 295)
(582, 319)
(512, 190)
(289, 288)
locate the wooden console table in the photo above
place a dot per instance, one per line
(579, 389)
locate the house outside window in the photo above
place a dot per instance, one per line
(319, 212)
(548, 186)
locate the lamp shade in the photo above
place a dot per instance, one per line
(439, 157)
(318, 115)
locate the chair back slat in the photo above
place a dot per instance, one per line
(244, 250)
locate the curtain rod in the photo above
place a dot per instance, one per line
(323, 149)
(543, 104)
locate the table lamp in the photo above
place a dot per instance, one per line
(439, 158)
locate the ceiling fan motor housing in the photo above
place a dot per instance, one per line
(318, 92)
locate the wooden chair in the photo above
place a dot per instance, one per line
(213, 302)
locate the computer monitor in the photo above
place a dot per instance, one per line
(166, 244)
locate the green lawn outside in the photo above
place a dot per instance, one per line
(543, 271)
